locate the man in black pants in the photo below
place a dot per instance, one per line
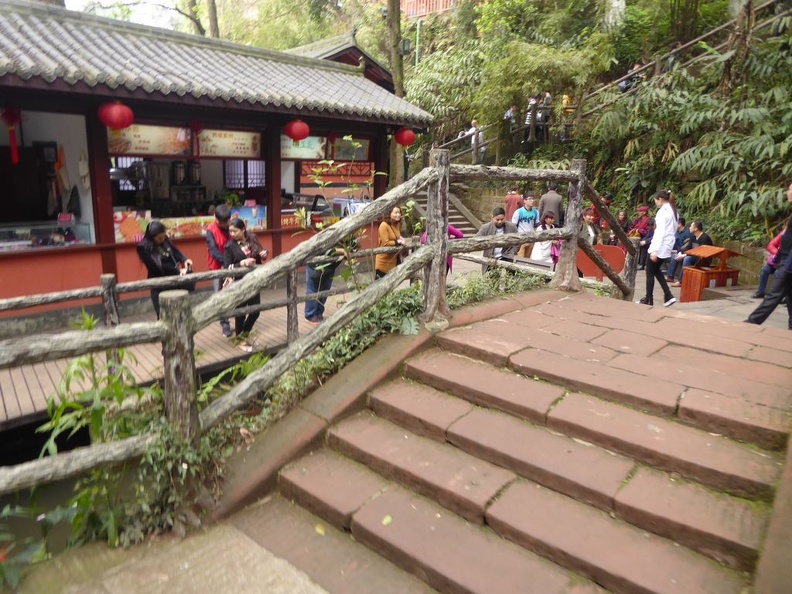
(782, 285)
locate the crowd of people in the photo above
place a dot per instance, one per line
(664, 241)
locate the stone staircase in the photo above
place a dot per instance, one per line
(464, 221)
(552, 444)
(526, 454)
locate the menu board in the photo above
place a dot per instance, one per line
(344, 149)
(187, 226)
(310, 149)
(149, 140)
(230, 144)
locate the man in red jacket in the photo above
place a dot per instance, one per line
(216, 239)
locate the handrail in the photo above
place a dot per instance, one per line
(688, 45)
(180, 322)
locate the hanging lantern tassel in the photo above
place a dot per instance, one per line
(196, 128)
(12, 116)
(297, 130)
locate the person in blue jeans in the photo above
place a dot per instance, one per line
(782, 285)
(319, 278)
(682, 260)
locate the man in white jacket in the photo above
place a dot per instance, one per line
(660, 248)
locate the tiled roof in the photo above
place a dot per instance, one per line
(55, 45)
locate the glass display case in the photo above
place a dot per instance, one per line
(46, 234)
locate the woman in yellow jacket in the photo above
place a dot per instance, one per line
(389, 236)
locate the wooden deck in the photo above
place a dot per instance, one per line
(24, 390)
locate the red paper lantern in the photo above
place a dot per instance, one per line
(196, 127)
(116, 115)
(405, 136)
(297, 130)
(11, 117)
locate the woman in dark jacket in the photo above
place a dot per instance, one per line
(244, 250)
(160, 257)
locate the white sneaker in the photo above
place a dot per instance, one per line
(669, 302)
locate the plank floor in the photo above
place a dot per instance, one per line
(24, 390)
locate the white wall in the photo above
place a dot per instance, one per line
(287, 175)
(69, 132)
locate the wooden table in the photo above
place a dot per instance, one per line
(696, 278)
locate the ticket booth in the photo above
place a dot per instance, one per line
(696, 278)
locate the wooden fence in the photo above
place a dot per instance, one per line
(180, 321)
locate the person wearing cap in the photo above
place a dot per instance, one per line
(640, 226)
(643, 244)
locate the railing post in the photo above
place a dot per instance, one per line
(434, 288)
(292, 319)
(629, 272)
(566, 275)
(111, 316)
(178, 352)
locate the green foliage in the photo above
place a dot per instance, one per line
(90, 389)
(728, 157)
(16, 554)
(445, 83)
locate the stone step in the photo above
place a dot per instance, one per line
(713, 460)
(337, 480)
(328, 556)
(616, 555)
(725, 528)
(453, 555)
(709, 459)
(456, 480)
(537, 345)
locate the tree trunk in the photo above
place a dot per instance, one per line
(740, 44)
(396, 169)
(214, 27)
(192, 10)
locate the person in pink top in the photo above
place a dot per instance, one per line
(453, 233)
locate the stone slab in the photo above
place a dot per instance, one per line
(453, 478)
(452, 555)
(222, 559)
(600, 306)
(582, 471)
(491, 341)
(419, 408)
(528, 318)
(732, 367)
(329, 485)
(617, 556)
(765, 426)
(484, 384)
(331, 558)
(769, 355)
(614, 384)
(679, 372)
(709, 459)
(725, 528)
(576, 330)
(630, 342)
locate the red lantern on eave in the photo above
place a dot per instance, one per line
(404, 136)
(297, 130)
(11, 117)
(116, 115)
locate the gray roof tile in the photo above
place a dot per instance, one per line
(52, 44)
